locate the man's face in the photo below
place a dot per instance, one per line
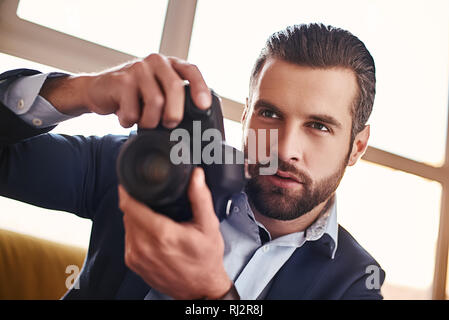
(310, 108)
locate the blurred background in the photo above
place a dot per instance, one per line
(394, 201)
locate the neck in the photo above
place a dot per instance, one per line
(279, 228)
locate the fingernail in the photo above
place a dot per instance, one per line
(204, 99)
(200, 174)
(170, 124)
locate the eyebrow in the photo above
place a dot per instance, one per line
(266, 104)
(330, 120)
(326, 119)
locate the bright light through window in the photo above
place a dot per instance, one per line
(132, 26)
(394, 216)
(408, 40)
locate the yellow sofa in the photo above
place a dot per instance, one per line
(33, 268)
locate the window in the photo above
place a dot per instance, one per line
(109, 23)
(408, 40)
(394, 216)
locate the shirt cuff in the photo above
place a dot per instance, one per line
(22, 97)
(42, 114)
(232, 294)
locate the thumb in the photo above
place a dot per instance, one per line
(201, 199)
(139, 213)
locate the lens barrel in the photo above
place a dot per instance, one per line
(146, 172)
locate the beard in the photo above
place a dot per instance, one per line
(287, 204)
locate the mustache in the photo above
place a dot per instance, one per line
(282, 166)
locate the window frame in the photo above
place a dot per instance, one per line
(37, 43)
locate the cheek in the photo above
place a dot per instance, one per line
(259, 137)
(325, 157)
(260, 144)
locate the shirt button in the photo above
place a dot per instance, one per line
(20, 104)
(37, 122)
(265, 248)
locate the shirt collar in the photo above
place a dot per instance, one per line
(326, 223)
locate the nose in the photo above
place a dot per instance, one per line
(289, 144)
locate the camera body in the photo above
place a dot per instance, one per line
(155, 168)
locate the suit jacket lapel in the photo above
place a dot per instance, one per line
(298, 276)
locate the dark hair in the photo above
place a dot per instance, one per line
(317, 45)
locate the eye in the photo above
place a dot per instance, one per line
(266, 113)
(319, 126)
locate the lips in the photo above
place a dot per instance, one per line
(284, 180)
(287, 175)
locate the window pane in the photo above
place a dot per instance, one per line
(92, 124)
(233, 133)
(408, 40)
(394, 216)
(133, 26)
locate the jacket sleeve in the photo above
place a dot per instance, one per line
(367, 287)
(60, 172)
(12, 128)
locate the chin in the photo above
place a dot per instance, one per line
(275, 202)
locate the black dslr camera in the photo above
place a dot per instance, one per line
(155, 168)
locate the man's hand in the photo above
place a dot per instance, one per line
(182, 260)
(144, 92)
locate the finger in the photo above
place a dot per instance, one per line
(150, 93)
(201, 200)
(200, 92)
(153, 102)
(173, 88)
(140, 214)
(129, 108)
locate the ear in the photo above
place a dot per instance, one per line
(359, 145)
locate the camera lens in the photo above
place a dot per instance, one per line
(147, 173)
(155, 169)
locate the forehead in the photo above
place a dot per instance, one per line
(303, 90)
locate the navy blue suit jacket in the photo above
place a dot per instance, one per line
(77, 174)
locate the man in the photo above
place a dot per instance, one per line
(314, 84)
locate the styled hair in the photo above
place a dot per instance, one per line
(319, 46)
